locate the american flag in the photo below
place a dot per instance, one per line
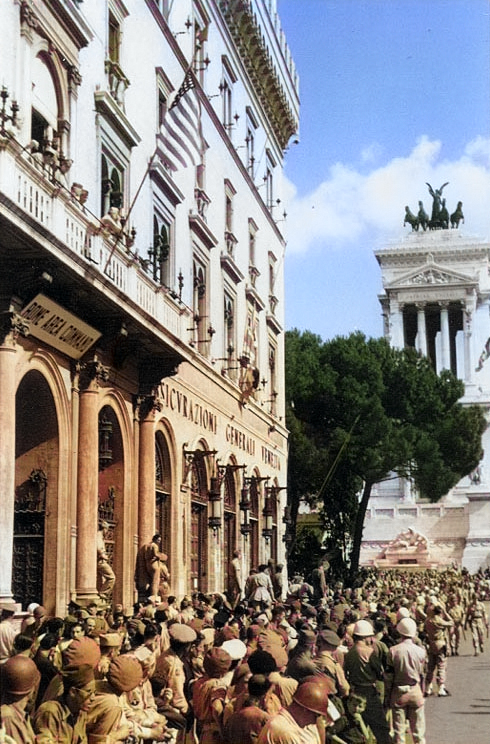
(180, 131)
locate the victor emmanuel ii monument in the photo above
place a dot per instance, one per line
(436, 298)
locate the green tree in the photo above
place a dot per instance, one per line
(359, 412)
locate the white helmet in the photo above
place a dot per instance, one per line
(363, 629)
(407, 627)
(402, 612)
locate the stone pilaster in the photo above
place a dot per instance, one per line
(91, 375)
(12, 326)
(147, 407)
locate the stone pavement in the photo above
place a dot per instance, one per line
(464, 717)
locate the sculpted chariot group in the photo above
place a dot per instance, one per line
(440, 217)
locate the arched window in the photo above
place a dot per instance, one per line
(44, 113)
(112, 182)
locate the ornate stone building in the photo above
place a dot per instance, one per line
(141, 349)
(436, 299)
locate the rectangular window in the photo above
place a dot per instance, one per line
(269, 182)
(163, 7)
(250, 142)
(112, 184)
(253, 271)
(161, 253)
(229, 337)
(227, 82)
(230, 239)
(114, 39)
(201, 335)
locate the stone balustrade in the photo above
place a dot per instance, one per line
(25, 184)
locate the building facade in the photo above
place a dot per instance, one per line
(436, 299)
(142, 303)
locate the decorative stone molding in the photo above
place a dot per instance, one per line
(144, 405)
(92, 374)
(12, 325)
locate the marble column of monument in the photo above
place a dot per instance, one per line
(445, 343)
(12, 325)
(91, 375)
(148, 406)
(421, 330)
(396, 325)
(468, 367)
(476, 553)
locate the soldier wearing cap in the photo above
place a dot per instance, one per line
(20, 679)
(106, 578)
(169, 671)
(110, 644)
(64, 720)
(327, 641)
(208, 695)
(406, 668)
(363, 667)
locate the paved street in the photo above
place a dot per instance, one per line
(463, 718)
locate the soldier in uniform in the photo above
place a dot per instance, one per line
(476, 618)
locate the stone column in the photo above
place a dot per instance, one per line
(445, 343)
(11, 326)
(397, 336)
(421, 330)
(148, 406)
(467, 321)
(91, 374)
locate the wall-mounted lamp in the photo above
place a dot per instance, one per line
(193, 456)
(268, 514)
(214, 494)
(188, 26)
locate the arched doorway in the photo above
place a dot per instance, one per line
(36, 483)
(199, 523)
(229, 522)
(163, 489)
(111, 489)
(254, 522)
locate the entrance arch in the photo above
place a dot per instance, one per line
(36, 487)
(163, 490)
(111, 490)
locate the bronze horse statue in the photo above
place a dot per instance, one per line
(411, 219)
(457, 216)
(423, 217)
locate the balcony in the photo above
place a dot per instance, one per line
(118, 82)
(45, 222)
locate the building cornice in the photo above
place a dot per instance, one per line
(248, 37)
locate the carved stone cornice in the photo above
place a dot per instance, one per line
(249, 38)
(12, 325)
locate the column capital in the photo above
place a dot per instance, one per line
(146, 405)
(91, 374)
(12, 325)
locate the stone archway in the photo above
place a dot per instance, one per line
(36, 488)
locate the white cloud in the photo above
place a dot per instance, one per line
(354, 208)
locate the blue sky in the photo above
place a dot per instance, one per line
(394, 94)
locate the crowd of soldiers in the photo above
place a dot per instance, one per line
(308, 663)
